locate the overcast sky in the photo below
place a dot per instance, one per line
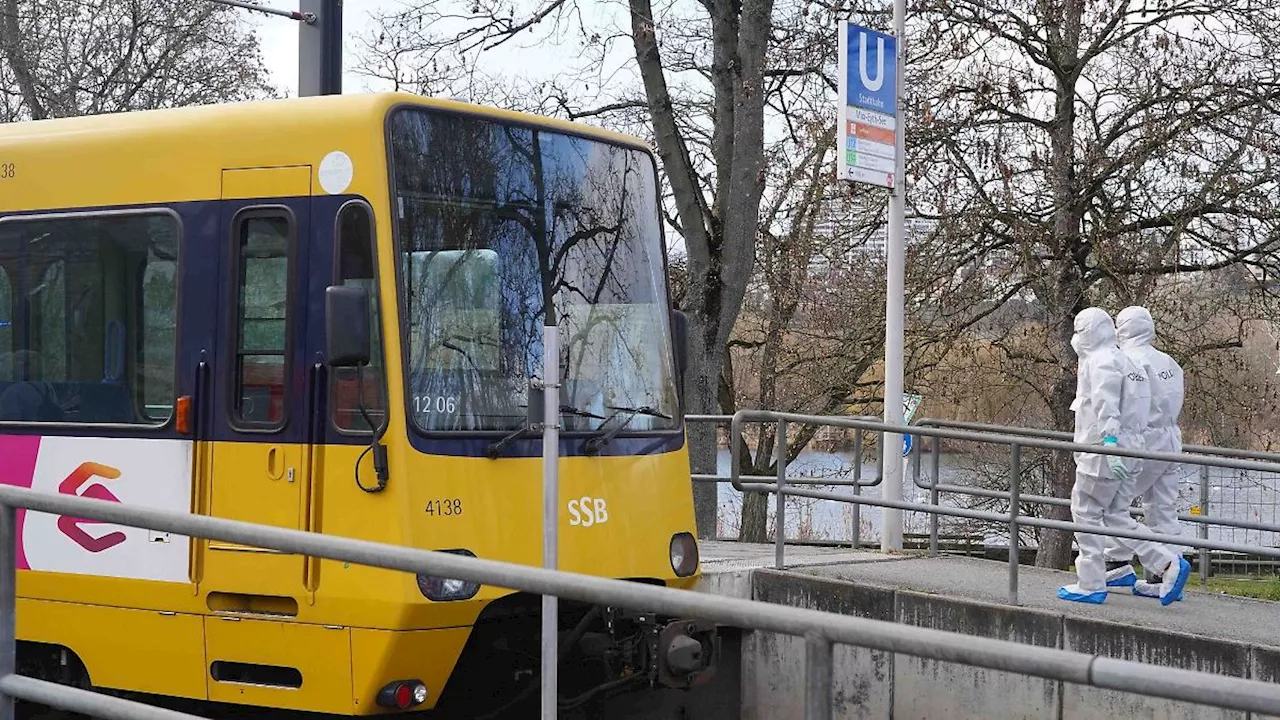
(280, 41)
(526, 56)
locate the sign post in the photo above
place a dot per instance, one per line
(870, 150)
(909, 405)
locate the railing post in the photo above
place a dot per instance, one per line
(780, 535)
(8, 603)
(1015, 489)
(857, 456)
(857, 519)
(880, 436)
(933, 497)
(817, 670)
(857, 489)
(1204, 527)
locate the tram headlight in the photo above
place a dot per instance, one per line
(684, 554)
(438, 589)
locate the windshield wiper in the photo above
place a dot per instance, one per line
(571, 410)
(495, 449)
(594, 444)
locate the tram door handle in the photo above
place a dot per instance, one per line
(276, 468)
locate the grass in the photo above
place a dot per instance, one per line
(1261, 588)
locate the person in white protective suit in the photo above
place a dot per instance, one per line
(1157, 481)
(1113, 402)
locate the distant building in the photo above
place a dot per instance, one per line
(876, 243)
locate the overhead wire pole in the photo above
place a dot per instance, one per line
(550, 662)
(319, 42)
(320, 49)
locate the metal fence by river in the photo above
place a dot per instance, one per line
(1234, 494)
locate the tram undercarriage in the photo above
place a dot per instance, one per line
(603, 651)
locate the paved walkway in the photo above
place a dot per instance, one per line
(1200, 613)
(717, 556)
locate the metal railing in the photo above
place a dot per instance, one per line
(819, 629)
(1203, 520)
(857, 483)
(1014, 520)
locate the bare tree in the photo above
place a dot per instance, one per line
(788, 351)
(1089, 147)
(61, 58)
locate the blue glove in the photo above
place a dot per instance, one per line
(1115, 462)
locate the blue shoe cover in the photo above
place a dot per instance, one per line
(1125, 581)
(1073, 593)
(1122, 576)
(1184, 571)
(1151, 590)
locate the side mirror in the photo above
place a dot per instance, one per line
(347, 337)
(680, 337)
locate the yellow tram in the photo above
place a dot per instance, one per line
(164, 284)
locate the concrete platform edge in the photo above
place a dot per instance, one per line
(874, 684)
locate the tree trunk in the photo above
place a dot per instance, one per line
(701, 397)
(1055, 545)
(1068, 291)
(755, 505)
(755, 517)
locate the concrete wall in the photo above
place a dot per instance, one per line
(1141, 644)
(874, 684)
(773, 665)
(972, 692)
(1265, 665)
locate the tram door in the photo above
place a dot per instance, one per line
(259, 469)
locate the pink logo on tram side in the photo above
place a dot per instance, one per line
(71, 526)
(115, 470)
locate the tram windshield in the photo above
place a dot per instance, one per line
(494, 224)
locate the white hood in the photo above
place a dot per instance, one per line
(1134, 327)
(1093, 331)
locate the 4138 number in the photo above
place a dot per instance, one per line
(445, 507)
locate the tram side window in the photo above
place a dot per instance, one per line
(262, 321)
(87, 324)
(159, 336)
(356, 266)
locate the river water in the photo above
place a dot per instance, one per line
(1232, 494)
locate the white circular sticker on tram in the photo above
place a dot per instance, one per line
(336, 172)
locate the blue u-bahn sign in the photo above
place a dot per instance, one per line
(871, 70)
(868, 131)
